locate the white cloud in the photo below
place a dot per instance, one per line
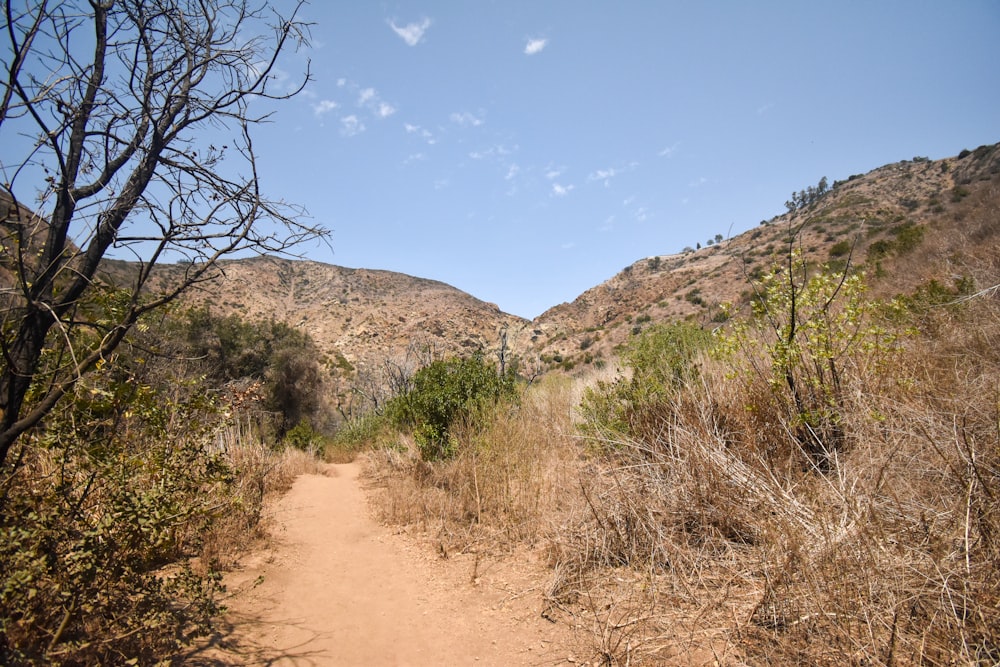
(324, 107)
(554, 173)
(466, 119)
(365, 96)
(668, 151)
(351, 125)
(411, 33)
(604, 175)
(512, 171)
(341, 82)
(698, 183)
(499, 151)
(385, 110)
(534, 46)
(421, 132)
(562, 190)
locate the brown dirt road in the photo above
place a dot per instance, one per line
(336, 588)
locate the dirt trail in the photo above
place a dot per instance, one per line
(336, 588)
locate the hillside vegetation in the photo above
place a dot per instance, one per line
(781, 448)
(800, 466)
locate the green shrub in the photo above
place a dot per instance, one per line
(661, 360)
(908, 238)
(840, 248)
(443, 393)
(811, 334)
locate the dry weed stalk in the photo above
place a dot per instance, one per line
(506, 477)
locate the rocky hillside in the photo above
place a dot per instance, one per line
(884, 219)
(906, 221)
(359, 317)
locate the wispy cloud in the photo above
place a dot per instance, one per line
(764, 108)
(324, 107)
(604, 175)
(698, 182)
(368, 98)
(466, 119)
(421, 132)
(512, 171)
(554, 172)
(668, 151)
(498, 151)
(559, 190)
(411, 33)
(351, 125)
(535, 45)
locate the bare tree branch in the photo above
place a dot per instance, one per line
(103, 114)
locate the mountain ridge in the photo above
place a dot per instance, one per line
(362, 317)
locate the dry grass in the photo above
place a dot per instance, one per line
(260, 474)
(709, 541)
(502, 487)
(891, 558)
(706, 536)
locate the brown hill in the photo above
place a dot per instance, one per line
(909, 222)
(359, 317)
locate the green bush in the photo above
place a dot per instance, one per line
(443, 393)
(908, 237)
(661, 360)
(840, 248)
(811, 334)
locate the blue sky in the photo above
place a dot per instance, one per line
(527, 151)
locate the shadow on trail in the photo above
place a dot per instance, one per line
(225, 648)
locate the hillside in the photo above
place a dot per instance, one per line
(887, 220)
(881, 219)
(357, 316)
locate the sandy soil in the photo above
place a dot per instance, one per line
(336, 588)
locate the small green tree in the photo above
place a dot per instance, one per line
(811, 332)
(443, 393)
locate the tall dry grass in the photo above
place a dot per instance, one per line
(737, 552)
(710, 539)
(503, 486)
(706, 534)
(260, 473)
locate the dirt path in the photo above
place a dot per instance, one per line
(338, 589)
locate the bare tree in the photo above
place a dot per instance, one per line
(125, 127)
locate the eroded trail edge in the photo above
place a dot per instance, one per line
(337, 588)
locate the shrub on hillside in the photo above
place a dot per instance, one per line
(444, 393)
(660, 361)
(812, 336)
